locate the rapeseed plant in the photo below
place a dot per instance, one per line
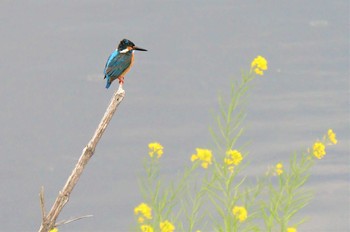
(217, 197)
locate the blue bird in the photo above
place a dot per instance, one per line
(120, 62)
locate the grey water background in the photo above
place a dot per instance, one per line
(52, 97)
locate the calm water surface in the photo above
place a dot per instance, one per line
(52, 97)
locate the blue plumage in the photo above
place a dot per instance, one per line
(120, 61)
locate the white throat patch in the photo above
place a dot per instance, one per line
(124, 50)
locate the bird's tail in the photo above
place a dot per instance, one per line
(108, 84)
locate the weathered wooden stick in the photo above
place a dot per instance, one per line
(63, 196)
(42, 203)
(72, 220)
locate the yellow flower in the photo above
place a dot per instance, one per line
(146, 228)
(259, 65)
(291, 229)
(279, 168)
(144, 210)
(234, 157)
(240, 213)
(166, 226)
(331, 137)
(203, 155)
(258, 71)
(54, 230)
(318, 150)
(141, 219)
(155, 148)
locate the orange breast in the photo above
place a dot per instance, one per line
(131, 63)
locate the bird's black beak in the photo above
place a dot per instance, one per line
(139, 49)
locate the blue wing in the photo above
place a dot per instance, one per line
(116, 65)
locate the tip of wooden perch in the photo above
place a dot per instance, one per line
(120, 90)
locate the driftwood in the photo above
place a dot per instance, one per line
(49, 220)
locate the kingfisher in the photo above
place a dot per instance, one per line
(120, 62)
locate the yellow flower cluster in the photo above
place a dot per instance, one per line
(240, 213)
(146, 228)
(291, 229)
(279, 169)
(54, 230)
(166, 226)
(332, 137)
(146, 213)
(233, 158)
(318, 150)
(319, 147)
(203, 155)
(155, 148)
(144, 210)
(259, 65)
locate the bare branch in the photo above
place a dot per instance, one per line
(63, 196)
(71, 220)
(42, 203)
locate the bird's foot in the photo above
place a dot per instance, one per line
(121, 80)
(121, 83)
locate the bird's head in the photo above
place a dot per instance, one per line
(126, 45)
